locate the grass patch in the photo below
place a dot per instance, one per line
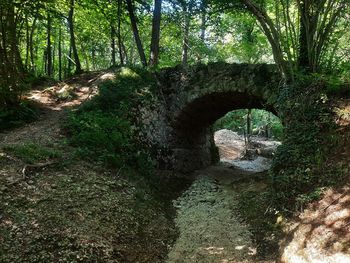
(32, 153)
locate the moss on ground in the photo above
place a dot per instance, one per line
(31, 153)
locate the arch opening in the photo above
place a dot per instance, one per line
(193, 127)
(247, 139)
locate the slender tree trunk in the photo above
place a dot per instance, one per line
(125, 53)
(249, 123)
(31, 45)
(72, 38)
(49, 47)
(249, 127)
(303, 58)
(187, 9)
(131, 56)
(121, 57)
(60, 54)
(93, 58)
(69, 60)
(157, 13)
(272, 35)
(203, 19)
(27, 43)
(54, 57)
(136, 33)
(113, 51)
(44, 58)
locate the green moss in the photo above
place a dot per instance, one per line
(31, 153)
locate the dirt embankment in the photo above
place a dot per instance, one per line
(55, 207)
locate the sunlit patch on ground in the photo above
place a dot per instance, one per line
(72, 92)
(323, 231)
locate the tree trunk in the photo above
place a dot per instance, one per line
(272, 36)
(9, 66)
(27, 43)
(125, 53)
(72, 38)
(60, 54)
(203, 19)
(303, 58)
(93, 57)
(13, 41)
(136, 33)
(31, 45)
(49, 48)
(249, 123)
(69, 60)
(121, 57)
(113, 51)
(187, 20)
(157, 13)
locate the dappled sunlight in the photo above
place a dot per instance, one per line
(214, 250)
(323, 233)
(70, 93)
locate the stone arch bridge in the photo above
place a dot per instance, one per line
(188, 101)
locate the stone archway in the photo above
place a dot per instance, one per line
(191, 100)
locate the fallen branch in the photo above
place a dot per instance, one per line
(35, 166)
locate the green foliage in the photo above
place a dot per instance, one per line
(260, 121)
(101, 136)
(234, 120)
(16, 116)
(104, 128)
(32, 153)
(300, 166)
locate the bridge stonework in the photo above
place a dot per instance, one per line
(178, 121)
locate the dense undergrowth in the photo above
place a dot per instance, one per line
(11, 117)
(105, 130)
(301, 167)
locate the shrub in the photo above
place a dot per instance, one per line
(104, 129)
(16, 116)
(101, 136)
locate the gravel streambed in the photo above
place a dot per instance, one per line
(210, 229)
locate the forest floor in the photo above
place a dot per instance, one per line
(55, 207)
